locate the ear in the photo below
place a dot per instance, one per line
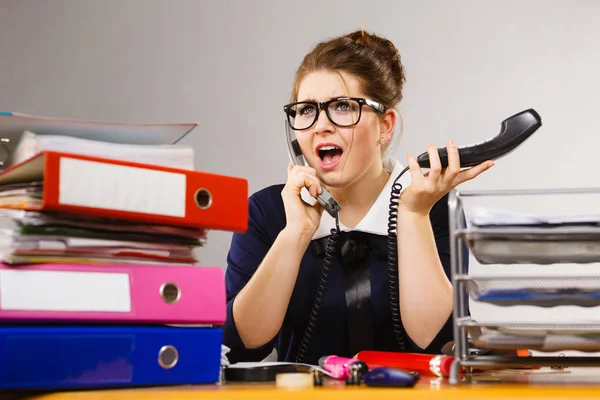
(387, 125)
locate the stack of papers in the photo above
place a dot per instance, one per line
(34, 237)
(552, 338)
(541, 297)
(167, 155)
(482, 217)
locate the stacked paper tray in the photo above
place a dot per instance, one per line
(540, 337)
(533, 245)
(540, 291)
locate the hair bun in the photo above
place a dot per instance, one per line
(383, 47)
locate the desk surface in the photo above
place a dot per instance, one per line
(546, 384)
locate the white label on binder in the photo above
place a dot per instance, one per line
(64, 291)
(120, 187)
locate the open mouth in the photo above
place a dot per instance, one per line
(330, 154)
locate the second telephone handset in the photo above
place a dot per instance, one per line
(297, 158)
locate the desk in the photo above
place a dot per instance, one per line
(572, 383)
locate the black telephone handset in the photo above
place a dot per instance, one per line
(514, 131)
(297, 158)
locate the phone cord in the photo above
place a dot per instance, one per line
(314, 313)
(392, 276)
(393, 263)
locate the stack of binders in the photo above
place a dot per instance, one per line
(99, 284)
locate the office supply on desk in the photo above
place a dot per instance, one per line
(267, 371)
(545, 337)
(46, 223)
(317, 377)
(112, 293)
(503, 237)
(493, 217)
(36, 222)
(507, 237)
(134, 192)
(424, 364)
(390, 377)
(13, 124)
(294, 380)
(341, 367)
(540, 297)
(167, 155)
(23, 249)
(70, 357)
(34, 237)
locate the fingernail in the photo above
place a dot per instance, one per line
(451, 143)
(491, 163)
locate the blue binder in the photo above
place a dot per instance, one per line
(68, 357)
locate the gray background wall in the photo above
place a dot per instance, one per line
(229, 65)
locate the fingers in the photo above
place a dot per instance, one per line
(453, 168)
(415, 170)
(474, 171)
(312, 184)
(301, 176)
(435, 166)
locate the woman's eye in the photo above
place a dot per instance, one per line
(305, 110)
(342, 106)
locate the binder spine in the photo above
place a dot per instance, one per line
(69, 357)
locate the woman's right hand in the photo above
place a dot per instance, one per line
(301, 217)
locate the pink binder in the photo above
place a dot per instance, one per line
(118, 293)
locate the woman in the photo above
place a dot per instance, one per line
(342, 112)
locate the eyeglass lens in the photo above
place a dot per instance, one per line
(340, 112)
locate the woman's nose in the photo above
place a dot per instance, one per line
(323, 124)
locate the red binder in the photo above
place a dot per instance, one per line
(106, 188)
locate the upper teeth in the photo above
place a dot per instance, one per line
(329, 148)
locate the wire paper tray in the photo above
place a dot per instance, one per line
(512, 237)
(540, 337)
(531, 245)
(582, 291)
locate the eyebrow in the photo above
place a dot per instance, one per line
(330, 98)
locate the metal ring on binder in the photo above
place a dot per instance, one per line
(4, 159)
(170, 292)
(168, 356)
(203, 198)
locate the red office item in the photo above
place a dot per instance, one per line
(424, 364)
(103, 187)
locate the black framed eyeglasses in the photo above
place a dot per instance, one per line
(342, 111)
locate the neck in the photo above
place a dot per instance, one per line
(357, 198)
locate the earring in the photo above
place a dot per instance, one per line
(382, 140)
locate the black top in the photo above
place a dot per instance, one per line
(266, 220)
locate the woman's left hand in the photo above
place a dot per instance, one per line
(426, 189)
